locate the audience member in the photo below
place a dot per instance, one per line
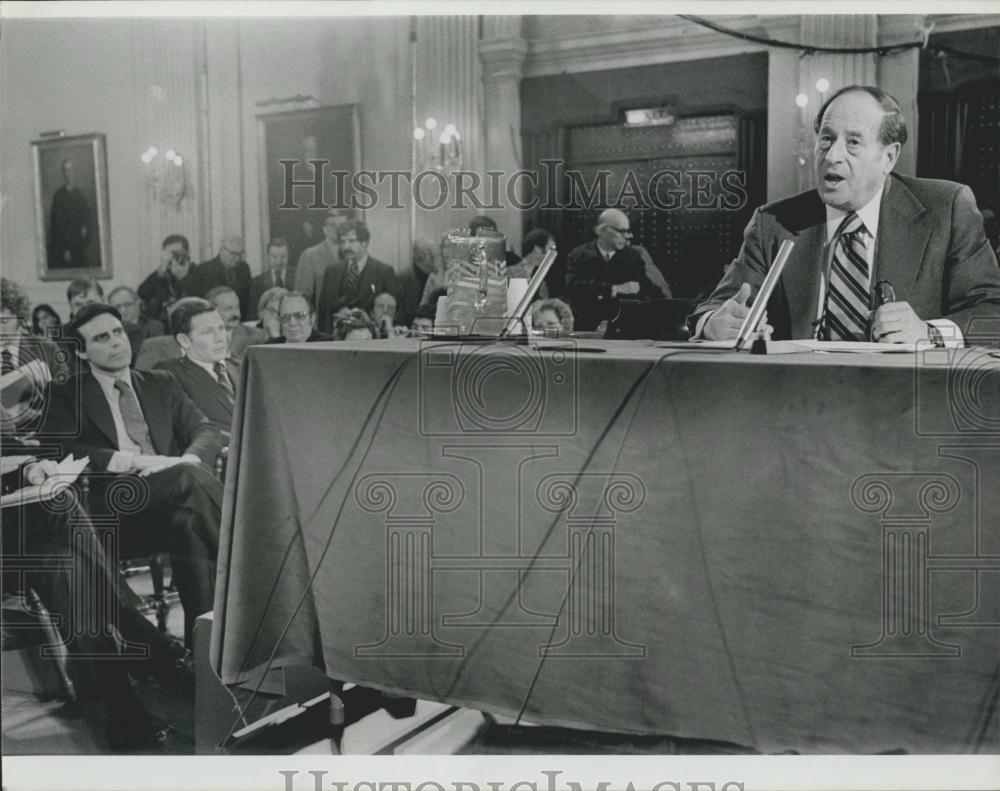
(552, 317)
(605, 270)
(241, 337)
(138, 327)
(410, 282)
(534, 247)
(384, 317)
(267, 310)
(315, 260)
(205, 372)
(83, 291)
(143, 431)
(29, 363)
(356, 325)
(423, 323)
(357, 279)
(45, 322)
(227, 269)
(482, 221)
(438, 278)
(298, 321)
(175, 278)
(277, 274)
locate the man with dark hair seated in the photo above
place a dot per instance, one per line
(298, 321)
(205, 372)
(143, 434)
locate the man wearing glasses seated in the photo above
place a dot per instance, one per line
(298, 321)
(605, 270)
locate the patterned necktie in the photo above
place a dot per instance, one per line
(135, 423)
(8, 361)
(351, 285)
(279, 281)
(847, 297)
(223, 377)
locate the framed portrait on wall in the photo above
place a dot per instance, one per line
(330, 135)
(71, 207)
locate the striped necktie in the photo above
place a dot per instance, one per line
(351, 285)
(135, 424)
(847, 301)
(222, 376)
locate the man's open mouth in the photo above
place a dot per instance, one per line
(832, 179)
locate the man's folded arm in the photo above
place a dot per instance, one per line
(195, 434)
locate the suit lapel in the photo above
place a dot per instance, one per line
(902, 238)
(97, 409)
(154, 409)
(202, 379)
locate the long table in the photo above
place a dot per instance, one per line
(791, 552)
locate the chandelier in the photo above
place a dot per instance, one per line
(437, 151)
(164, 176)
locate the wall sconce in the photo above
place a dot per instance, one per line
(164, 175)
(804, 149)
(441, 152)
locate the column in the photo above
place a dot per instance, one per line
(502, 51)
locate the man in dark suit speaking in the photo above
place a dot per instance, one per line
(355, 280)
(148, 441)
(861, 226)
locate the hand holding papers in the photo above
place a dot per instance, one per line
(56, 478)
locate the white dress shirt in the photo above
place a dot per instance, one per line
(122, 460)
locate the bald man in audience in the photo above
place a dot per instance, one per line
(606, 270)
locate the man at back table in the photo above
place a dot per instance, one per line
(861, 231)
(141, 429)
(205, 372)
(601, 272)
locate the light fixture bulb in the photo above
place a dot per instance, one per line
(802, 100)
(178, 161)
(171, 153)
(153, 151)
(431, 123)
(822, 85)
(450, 129)
(418, 133)
(146, 158)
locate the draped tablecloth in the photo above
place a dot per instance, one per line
(785, 552)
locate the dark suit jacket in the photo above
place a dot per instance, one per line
(589, 280)
(262, 283)
(375, 278)
(212, 273)
(409, 291)
(930, 245)
(203, 389)
(86, 428)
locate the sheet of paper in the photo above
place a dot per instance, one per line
(67, 471)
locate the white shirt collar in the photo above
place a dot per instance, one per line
(868, 213)
(361, 263)
(209, 367)
(107, 381)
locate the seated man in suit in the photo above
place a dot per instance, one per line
(862, 226)
(145, 437)
(356, 279)
(278, 273)
(605, 270)
(298, 321)
(205, 372)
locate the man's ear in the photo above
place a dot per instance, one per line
(892, 156)
(183, 340)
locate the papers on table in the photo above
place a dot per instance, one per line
(851, 347)
(67, 471)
